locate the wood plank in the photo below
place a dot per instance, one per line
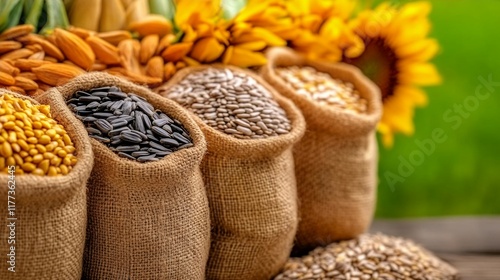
(474, 266)
(448, 235)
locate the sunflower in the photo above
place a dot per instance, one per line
(396, 57)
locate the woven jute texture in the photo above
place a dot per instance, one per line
(336, 160)
(51, 213)
(251, 190)
(146, 220)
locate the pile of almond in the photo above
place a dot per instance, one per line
(31, 63)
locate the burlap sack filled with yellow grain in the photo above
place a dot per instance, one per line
(51, 212)
(252, 195)
(146, 220)
(336, 160)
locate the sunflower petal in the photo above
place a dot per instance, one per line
(207, 50)
(424, 74)
(177, 51)
(243, 58)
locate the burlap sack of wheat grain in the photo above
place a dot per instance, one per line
(146, 220)
(336, 160)
(252, 195)
(51, 213)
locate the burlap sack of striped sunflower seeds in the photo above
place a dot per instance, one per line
(46, 239)
(146, 220)
(336, 160)
(251, 190)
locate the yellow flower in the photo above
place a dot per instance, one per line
(395, 56)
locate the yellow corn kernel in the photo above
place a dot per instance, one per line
(44, 139)
(41, 148)
(69, 149)
(46, 124)
(20, 135)
(67, 140)
(33, 152)
(64, 169)
(52, 171)
(55, 161)
(44, 165)
(51, 133)
(50, 147)
(61, 153)
(11, 161)
(19, 159)
(12, 137)
(38, 172)
(48, 155)
(6, 149)
(28, 166)
(37, 158)
(15, 147)
(38, 133)
(19, 123)
(37, 125)
(9, 125)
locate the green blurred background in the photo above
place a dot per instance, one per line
(462, 175)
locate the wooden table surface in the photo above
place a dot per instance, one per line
(470, 244)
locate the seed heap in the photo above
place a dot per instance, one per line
(369, 257)
(31, 140)
(231, 102)
(128, 124)
(322, 88)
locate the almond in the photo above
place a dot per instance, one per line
(16, 31)
(50, 59)
(154, 68)
(48, 47)
(25, 83)
(129, 50)
(43, 86)
(6, 79)
(34, 48)
(148, 47)
(28, 64)
(98, 66)
(81, 32)
(37, 92)
(17, 54)
(103, 50)
(74, 48)
(115, 37)
(177, 51)
(133, 77)
(37, 56)
(8, 46)
(16, 89)
(166, 41)
(168, 70)
(151, 24)
(6, 67)
(55, 74)
(28, 75)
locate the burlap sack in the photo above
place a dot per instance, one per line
(252, 195)
(51, 214)
(336, 160)
(146, 220)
